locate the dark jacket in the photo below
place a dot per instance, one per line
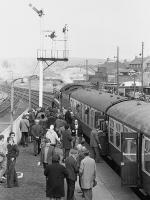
(37, 130)
(66, 139)
(55, 174)
(68, 117)
(79, 130)
(13, 151)
(72, 168)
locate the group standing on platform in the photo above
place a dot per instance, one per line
(48, 129)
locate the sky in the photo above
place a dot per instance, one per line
(96, 27)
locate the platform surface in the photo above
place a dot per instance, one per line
(32, 185)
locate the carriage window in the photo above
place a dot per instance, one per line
(98, 118)
(111, 122)
(147, 155)
(111, 135)
(92, 118)
(118, 140)
(85, 117)
(125, 130)
(118, 128)
(88, 114)
(130, 149)
(79, 110)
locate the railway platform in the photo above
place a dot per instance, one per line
(32, 185)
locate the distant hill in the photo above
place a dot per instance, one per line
(28, 66)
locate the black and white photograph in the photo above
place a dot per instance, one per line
(75, 100)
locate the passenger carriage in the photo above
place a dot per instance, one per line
(127, 140)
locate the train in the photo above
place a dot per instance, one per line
(125, 137)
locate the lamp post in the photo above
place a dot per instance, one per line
(29, 80)
(12, 100)
(132, 73)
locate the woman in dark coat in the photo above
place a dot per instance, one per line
(13, 152)
(55, 174)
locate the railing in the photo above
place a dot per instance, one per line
(52, 54)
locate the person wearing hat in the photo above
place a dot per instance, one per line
(66, 141)
(37, 132)
(55, 175)
(72, 169)
(87, 173)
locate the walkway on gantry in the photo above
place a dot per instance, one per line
(32, 185)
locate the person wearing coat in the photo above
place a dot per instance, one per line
(68, 116)
(87, 173)
(95, 146)
(72, 169)
(37, 132)
(66, 141)
(77, 132)
(55, 174)
(24, 128)
(12, 154)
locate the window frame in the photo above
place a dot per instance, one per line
(143, 154)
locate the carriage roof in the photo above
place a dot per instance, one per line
(96, 99)
(135, 114)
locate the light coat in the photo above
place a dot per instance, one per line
(24, 125)
(87, 172)
(94, 139)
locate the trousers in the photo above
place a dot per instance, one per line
(87, 194)
(36, 146)
(65, 153)
(70, 190)
(24, 138)
(12, 180)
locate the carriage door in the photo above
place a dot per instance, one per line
(129, 159)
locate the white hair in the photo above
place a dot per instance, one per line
(52, 127)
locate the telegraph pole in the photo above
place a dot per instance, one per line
(142, 70)
(117, 63)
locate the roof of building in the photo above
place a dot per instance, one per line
(138, 60)
(133, 113)
(98, 100)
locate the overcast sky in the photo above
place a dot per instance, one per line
(96, 27)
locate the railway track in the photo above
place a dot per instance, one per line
(23, 94)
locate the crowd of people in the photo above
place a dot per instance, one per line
(50, 130)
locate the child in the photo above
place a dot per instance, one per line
(13, 152)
